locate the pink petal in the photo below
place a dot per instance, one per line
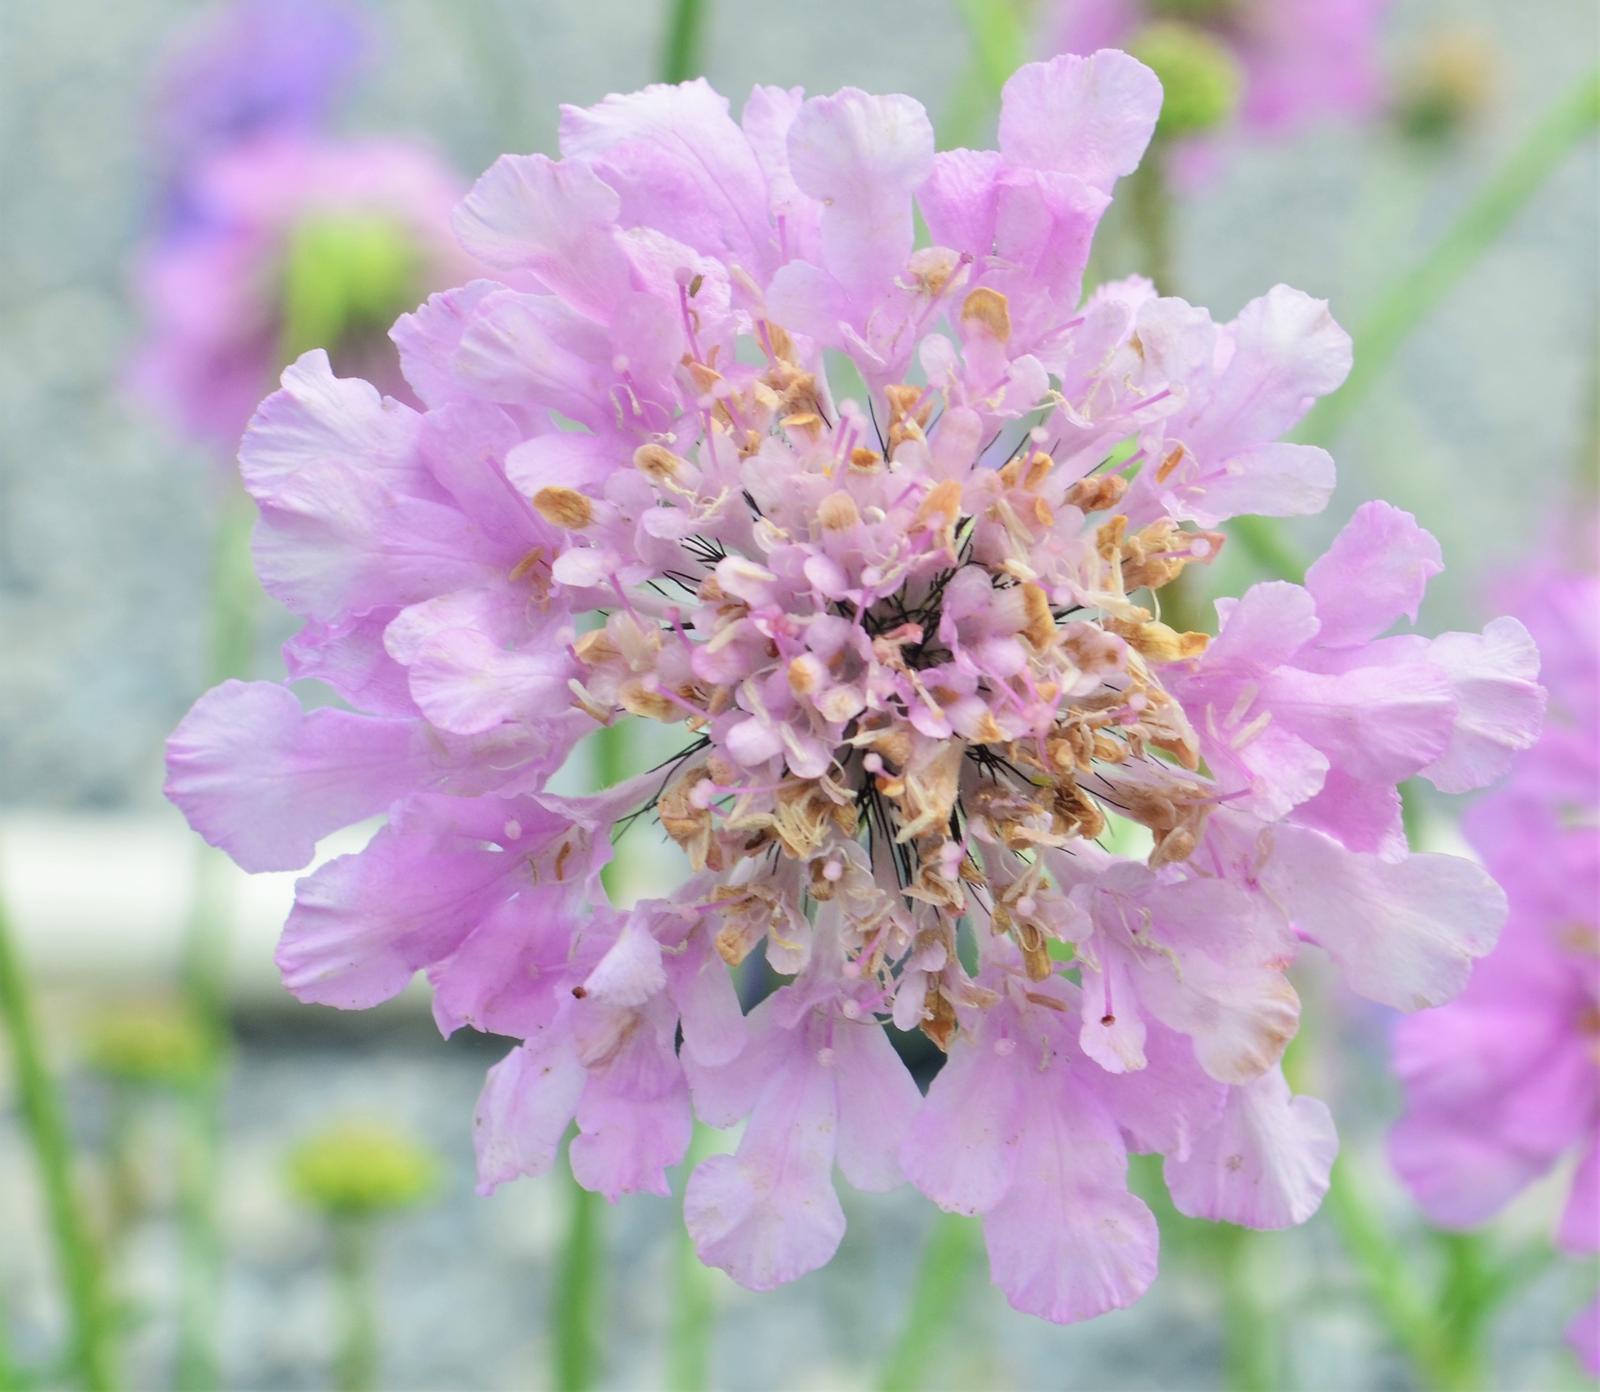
(1265, 1164)
(963, 1144)
(862, 157)
(265, 781)
(1405, 933)
(528, 1100)
(1500, 703)
(1374, 571)
(1090, 117)
(877, 1101)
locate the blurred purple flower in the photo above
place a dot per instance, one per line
(358, 228)
(246, 69)
(876, 532)
(1505, 1083)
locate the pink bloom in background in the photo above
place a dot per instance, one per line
(263, 211)
(215, 290)
(1505, 1083)
(1300, 60)
(871, 537)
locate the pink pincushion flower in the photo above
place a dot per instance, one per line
(907, 635)
(215, 290)
(1299, 60)
(1505, 1082)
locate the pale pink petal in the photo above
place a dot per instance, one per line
(1374, 571)
(528, 1100)
(1069, 1241)
(1500, 703)
(264, 780)
(1266, 1162)
(1090, 117)
(1405, 932)
(963, 1144)
(877, 1102)
(862, 157)
(1580, 1219)
(768, 1214)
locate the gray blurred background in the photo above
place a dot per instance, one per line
(106, 527)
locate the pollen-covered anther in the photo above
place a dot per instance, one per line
(988, 310)
(1159, 642)
(564, 507)
(659, 464)
(838, 512)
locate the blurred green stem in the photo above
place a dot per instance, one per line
(1150, 204)
(1414, 294)
(680, 59)
(1445, 1358)
(1252, 1353)
(689, 1358)
(356, 1359)
(999, 48)
(948, 1261)
(577, 1293)
(77, 1256)
(204, 972)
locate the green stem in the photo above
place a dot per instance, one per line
(1252, 1356)
(1150, 197)
(577, 1294)
(1442, 1363)
(947, 1265)
(77, 1256)
(689, 1355)
(680, 58)
(999, 47)
(204, 971)
(356, 1359)
(1414, 294)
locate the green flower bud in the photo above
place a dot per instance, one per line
(1448, 84)
(344, 276)
(358, 1169)
(1199, 78)
(147, 1044)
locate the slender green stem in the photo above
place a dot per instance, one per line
(1442, 1362)
(356, 1358)
(681, 54)
(1414, 294)
(204, 971)
(77, 1255)
(577, 1293)
(999, 47)
(1252, 1354)
(689, 1355)
(1150, 196)
(948, 1262)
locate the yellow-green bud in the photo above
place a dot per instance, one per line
(149, 1044)
(1199, 77)
(1448, 84)
(344, 275)
(358, 1169)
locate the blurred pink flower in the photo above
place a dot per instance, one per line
(1300, 60)
(215, 290)
(879, 530)
(1505, 1083)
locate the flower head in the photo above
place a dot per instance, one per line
(1505, 1082)
(874, 534)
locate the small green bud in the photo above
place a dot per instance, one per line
(359, 1169)
(343, 276)
(1449, 84)
(1199, 78)
(147, 1044)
